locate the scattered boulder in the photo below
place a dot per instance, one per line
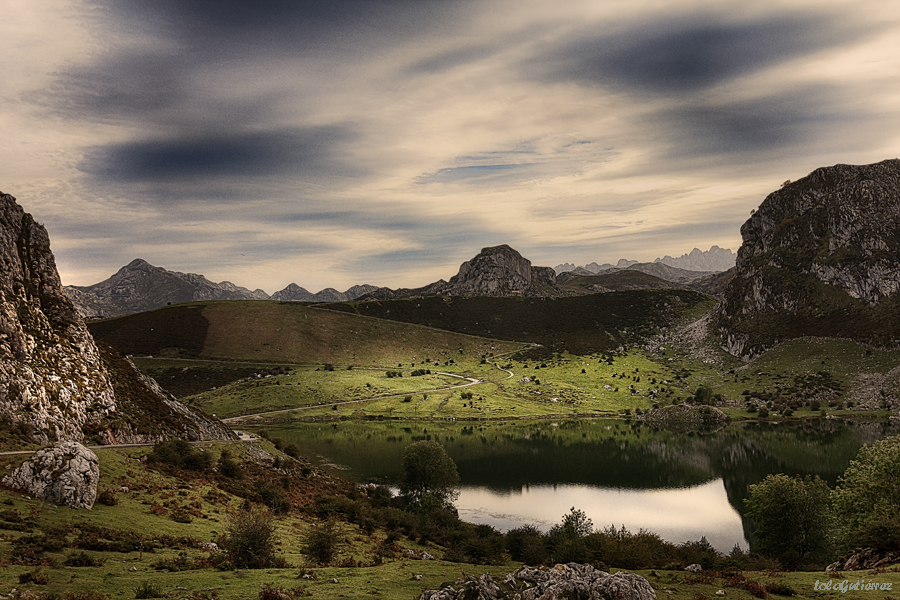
(65, 473)
(571, 580)
(863, 558)
(694, 568)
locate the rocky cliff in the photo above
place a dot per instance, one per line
(821, 256)
(54, 380)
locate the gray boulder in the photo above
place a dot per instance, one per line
(66, 473)
(561, 581)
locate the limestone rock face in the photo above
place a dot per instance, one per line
(65, 473)
(54, 379)
(497, 271)
(51, 376)
(821, 256)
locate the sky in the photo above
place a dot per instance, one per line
(385, 142)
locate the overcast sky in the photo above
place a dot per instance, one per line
(340, 142)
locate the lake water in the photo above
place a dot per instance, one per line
(681, 486)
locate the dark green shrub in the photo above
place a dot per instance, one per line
(149, 590)
(36, 577)
(321, 542)
(83, 559)
(249, 540)
(107, 497)
(180, 454)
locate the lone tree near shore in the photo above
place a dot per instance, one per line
(429, 475)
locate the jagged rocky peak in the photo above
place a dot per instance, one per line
(51, 377)
(498, 271)
(821, 256)
(714, 259)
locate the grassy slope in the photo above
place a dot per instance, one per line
(277, 332)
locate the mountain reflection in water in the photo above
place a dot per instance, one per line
(679, 485)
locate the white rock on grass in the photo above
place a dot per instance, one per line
(66, 473)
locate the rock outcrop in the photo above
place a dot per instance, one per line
(51, 376)
(561, 581)
(684, 417)
(65, 473)
(495, 271)
(864, 558)
(821, 256)
(54, 380)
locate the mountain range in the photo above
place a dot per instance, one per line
(495, 271)
(140, 286)
(713, 260)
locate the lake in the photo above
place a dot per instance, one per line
(681, 486)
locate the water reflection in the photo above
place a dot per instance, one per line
(681, 486)
(677, 515)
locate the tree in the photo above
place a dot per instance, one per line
(574, 524)
(792, 518)
(429, 474)
(567, 537)
(867, 499)
(249, 540)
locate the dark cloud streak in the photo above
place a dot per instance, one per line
(688, 54)
(297, 152)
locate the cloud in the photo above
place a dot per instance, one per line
(228, 155)
(688, 53)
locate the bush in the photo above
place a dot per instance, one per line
(36, 577)
(149, 590)
(179, 454)
(249, 540)
(83, 559)
(107, 497)
(322, 542)
(229, 467)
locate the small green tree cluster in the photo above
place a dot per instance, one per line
(800, 522)
(792, 517)
(867, 498)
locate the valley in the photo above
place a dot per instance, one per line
(622, 394)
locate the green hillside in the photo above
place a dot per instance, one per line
(281, 333)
